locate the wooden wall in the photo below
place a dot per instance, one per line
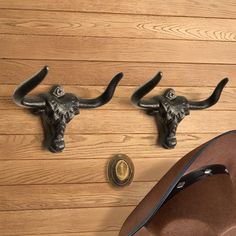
(85, 43)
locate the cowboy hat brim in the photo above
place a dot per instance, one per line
(220, 150)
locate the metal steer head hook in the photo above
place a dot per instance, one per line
(56, 107)
(170, 109)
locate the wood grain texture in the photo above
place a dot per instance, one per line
(82, 146)
(116, 49)
(112, 122)
(115, 25)
(109, 233)
(33, 197)
(66, 220)
(85, 43)
(121, 98)
(100, 73)
(76, 171)
(211, 8)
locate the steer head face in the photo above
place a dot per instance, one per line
(169, 109)
(172, 110)
(58, 108)
(66, 104)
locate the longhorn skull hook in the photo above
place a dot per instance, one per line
(56, 107)
(170, 109)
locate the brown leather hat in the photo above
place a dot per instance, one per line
(196, 197)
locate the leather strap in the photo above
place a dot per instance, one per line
(186, 181)
(195, 176)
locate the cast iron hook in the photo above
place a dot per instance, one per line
(170, 109)
(56, 107)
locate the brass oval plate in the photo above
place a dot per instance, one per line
(120, 170)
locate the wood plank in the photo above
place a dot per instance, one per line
(100, 73)
(62, 221)
(68, 194)
(117, 122)
(76, 171)
(115, 25)
(115, 49)
(29, 147)
(109, 233)
(211, 8)
(121, 98)
(33, 197)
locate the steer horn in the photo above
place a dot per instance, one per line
(212, 100)
(56, 107)
(104, 98)
(22, 90)
(170, 109)
(145, 89)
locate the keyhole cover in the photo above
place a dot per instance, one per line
(120, 170)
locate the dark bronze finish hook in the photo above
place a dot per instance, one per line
(58, 108)
(170, 109)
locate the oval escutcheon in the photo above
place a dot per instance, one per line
(120, 170)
